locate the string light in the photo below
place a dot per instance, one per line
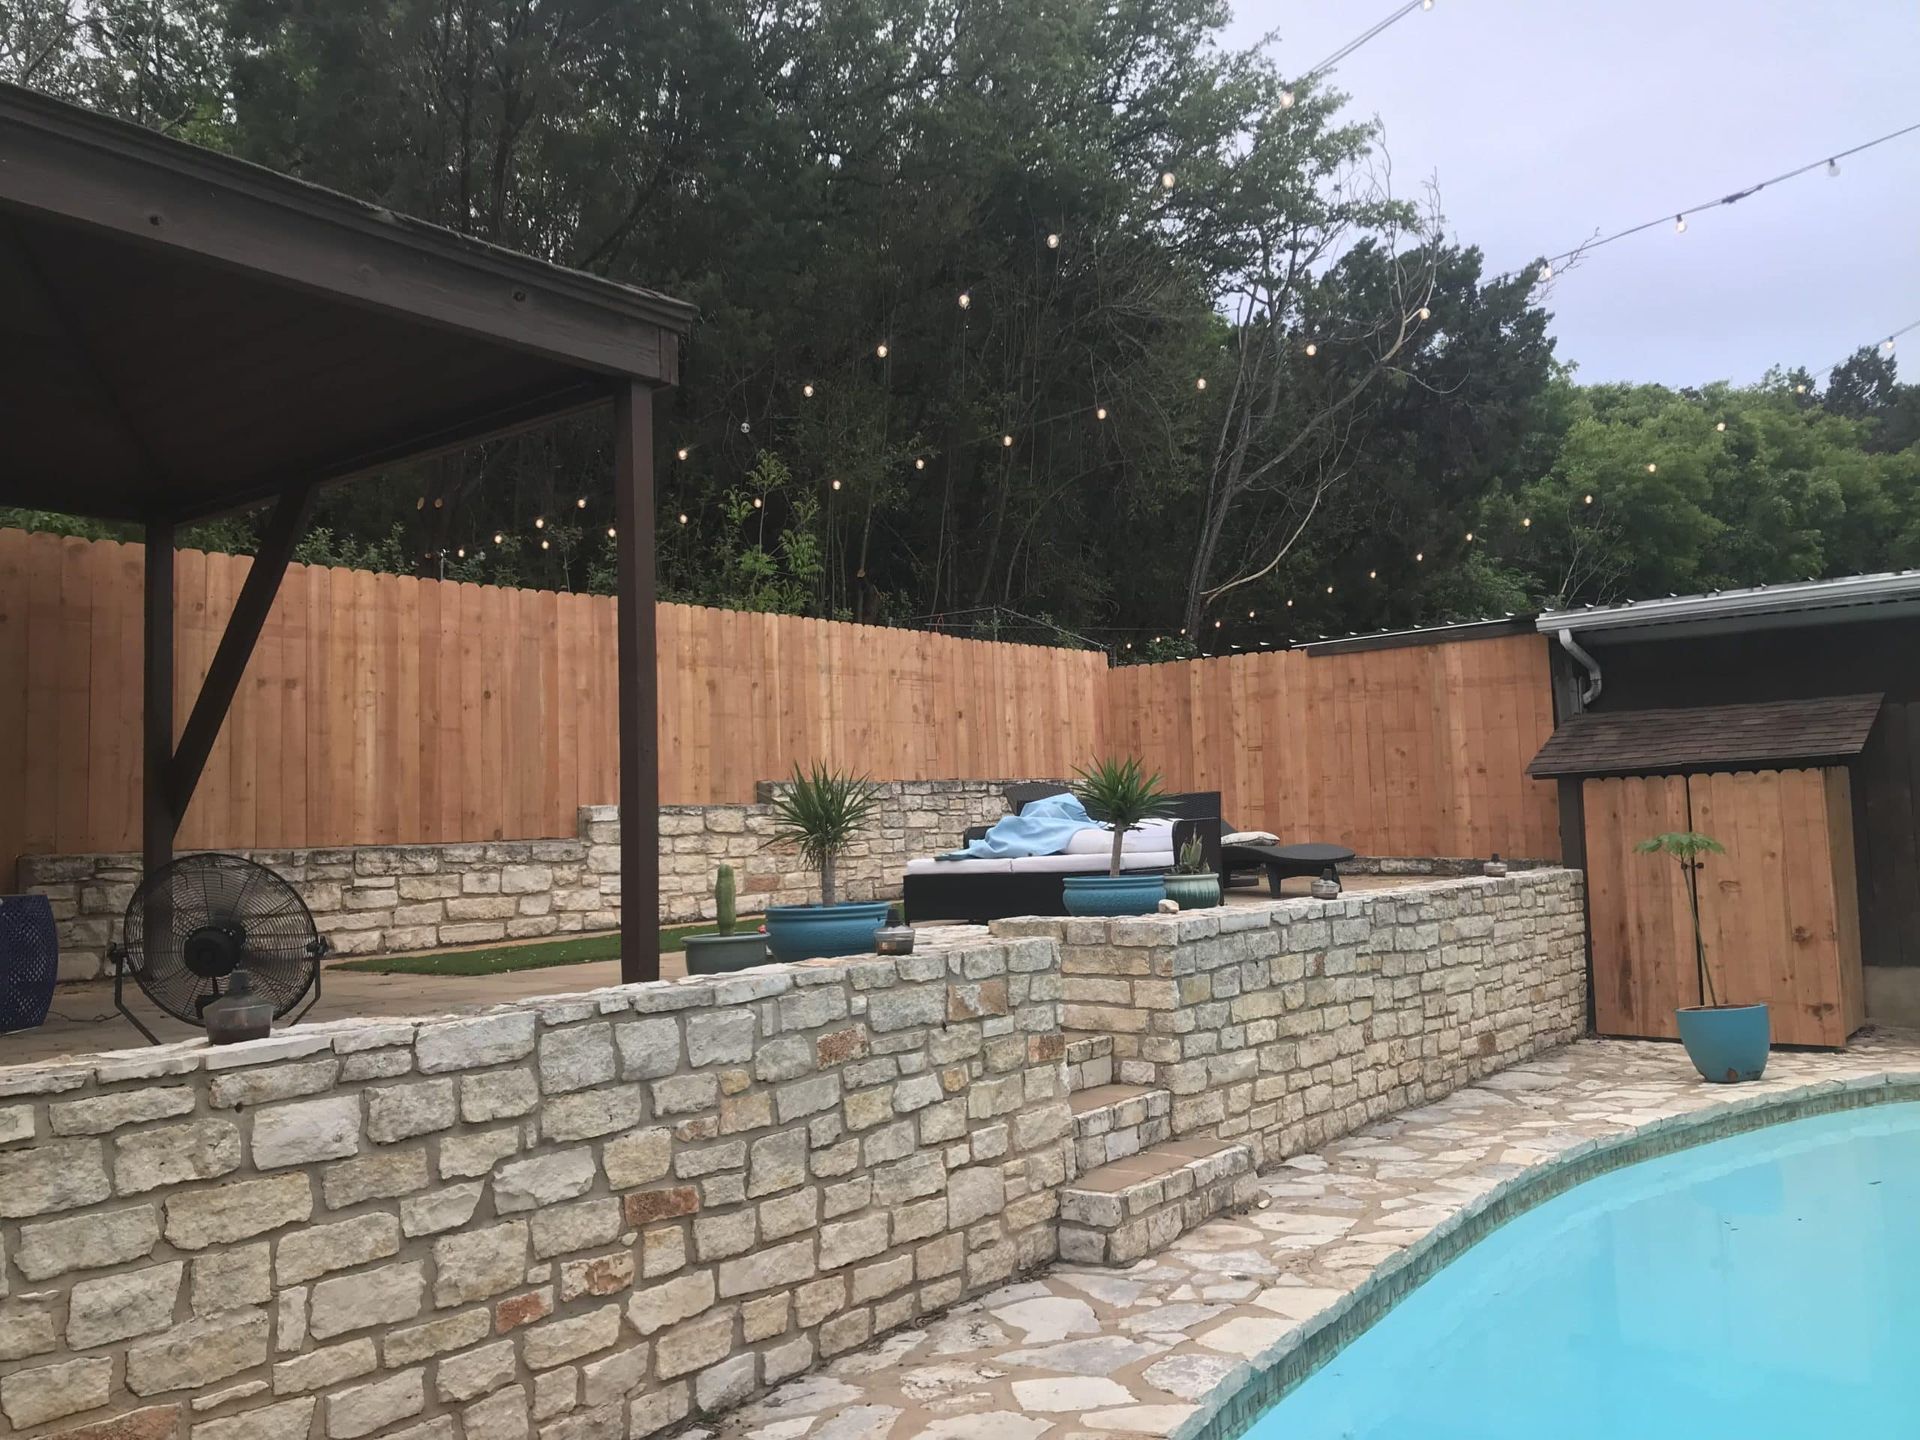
(1800, 389)
(1652, 468)
(1201, 383)
(1286, 99)
(757, 502)
(610, 532)
(539, 522)
(581, 503)
(836, 484)
(746, 427)
(966, 300)
(1469, 537)
(1419, 557)
(498, 538)
(807, 390)
(461, 553)
(421, 503)
(1546, 270)
(1053, 241)
(1425, 313)
(546, 544)
(1289, 604)
(1833, 169)
(683, 517)
(1886, 346)
(1216, 624)
(440, 500)
(1679, 224)
(881, 350)
(1166, 179)
(1006, 442)
(1329, 589)
(920, 462)
(1249, 614)
(1721, 427)
(681, 452)
(1373, 574)
(1312, 349)
(1526, 522)
(1586, 499)
(1100, 413)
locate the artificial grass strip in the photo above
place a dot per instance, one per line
(536, 955)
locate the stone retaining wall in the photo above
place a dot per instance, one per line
(376, 899)
(601, 1214)
(584, 1217)
(1290, 1024)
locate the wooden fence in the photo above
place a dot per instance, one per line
(384, 709)
(1419, 750)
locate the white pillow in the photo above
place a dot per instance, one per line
(1250, 837)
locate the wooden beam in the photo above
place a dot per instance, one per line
(250, 610)
(639, 734)
(159, 821)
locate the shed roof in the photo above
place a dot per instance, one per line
(184, 333)
(1713, 737)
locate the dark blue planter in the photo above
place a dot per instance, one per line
(811, 932)
(29, 960)
(1131, 894)
(724, 954)
(1726, 1043)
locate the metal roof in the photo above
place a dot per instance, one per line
(1761, 607)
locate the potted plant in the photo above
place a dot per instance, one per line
(1192, 885)
(820, 812)
(1725, 1042)
(725, 952)
(1119, 794)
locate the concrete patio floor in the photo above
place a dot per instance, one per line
(1080, 1353)
(83, 1021)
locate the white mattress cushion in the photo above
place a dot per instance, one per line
(1092, 864)
(930, 866)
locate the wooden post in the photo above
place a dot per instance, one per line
(159, 820)
(639, 738)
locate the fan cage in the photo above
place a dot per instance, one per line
(227, 908)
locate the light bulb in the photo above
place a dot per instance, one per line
(1833, 169)
(1312, 349)
(1526, 522)
(1053, 241)
(1289, 604)
(1101, 413)
(807, 390)
(1216, 624)
(1006, 442)
(1373, 574)
(610, 532)
(1426, 4)
(581, 503)
(1546, 271)
(421, 503)
(1249, 614)
(1721, 427)
(546, 544)
(1886, 348)
(756, 502)
(1329, 589)
(1129, 644)
(920, 463)
(1183, 629)
(539, 522)
(461, 553)
(1425, 313)
(1286, 99)
(746, 427)
(1419, 557)
(1201, 383)
(1679, 224)
(1800, 389)
(1469, 537)
(836, 484)
(681, 452)
(966, 300)
(1586, 499)
(498, 538)
(683, 517)
(881, 349)
(1166, 179)
(1652, 468)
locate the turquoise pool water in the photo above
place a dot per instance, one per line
(1762, 1286)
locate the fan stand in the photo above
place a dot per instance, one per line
(118, 954)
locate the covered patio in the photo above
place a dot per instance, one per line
(187, 335)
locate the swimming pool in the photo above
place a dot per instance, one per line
(1765, 1285)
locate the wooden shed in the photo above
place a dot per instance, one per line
(1785, 721)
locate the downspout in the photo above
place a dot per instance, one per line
(1591, 691)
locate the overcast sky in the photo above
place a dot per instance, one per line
(1546, 120)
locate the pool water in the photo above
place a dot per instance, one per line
(1766, 1285)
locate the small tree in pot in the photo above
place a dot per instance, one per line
(1725, 1042)
(820, 813)
(1119, 794)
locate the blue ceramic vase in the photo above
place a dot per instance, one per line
(809, 932)
(1135, 893)
(1727, 1043)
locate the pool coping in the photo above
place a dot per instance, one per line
(1294, 1357)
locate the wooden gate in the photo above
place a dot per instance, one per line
(1779, 912)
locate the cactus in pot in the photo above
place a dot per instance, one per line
(726, 951)
(1193, 885)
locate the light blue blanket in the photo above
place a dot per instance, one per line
(1043, 828)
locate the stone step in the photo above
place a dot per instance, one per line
(1089, 1062)
(1111, 1122)
(1128, 1209)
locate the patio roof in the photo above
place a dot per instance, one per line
(1831, 730)
(185, 334)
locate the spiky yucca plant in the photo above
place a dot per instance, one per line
(819, 813)
(1687, 846)
(1119, 794)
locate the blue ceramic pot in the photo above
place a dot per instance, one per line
(1726, 1042)
(1131, 894)
(29, 960)
(1194, 892)
(808, 932)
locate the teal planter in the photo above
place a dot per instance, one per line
(1194, 892)
(1727, 1043)
(810, 932)
(723, 954)
(1132, 894)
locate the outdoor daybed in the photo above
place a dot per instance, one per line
(977, 891)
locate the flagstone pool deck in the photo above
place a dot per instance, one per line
(1159, 1347)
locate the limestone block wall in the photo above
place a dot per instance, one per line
(1290, 1024)
(378, 899)
(583, 1217)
